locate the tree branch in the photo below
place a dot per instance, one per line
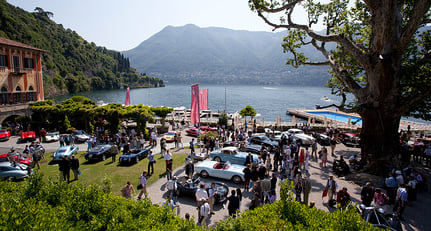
(280, 9)
(420, 9)
(315, 63)
(338, 38)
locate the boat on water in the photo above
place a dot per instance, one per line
(325, 98)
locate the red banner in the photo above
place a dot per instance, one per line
(127, 101)
(203, 99)
(195, 114)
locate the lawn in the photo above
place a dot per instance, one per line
(95, 172)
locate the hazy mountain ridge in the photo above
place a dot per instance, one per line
(190, 54)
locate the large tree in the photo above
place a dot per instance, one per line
(382, 57)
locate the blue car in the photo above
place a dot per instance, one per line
(66, 151)
(134, 157)
(231, 154)
(225, 171)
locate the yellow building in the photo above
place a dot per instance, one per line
(20, 73)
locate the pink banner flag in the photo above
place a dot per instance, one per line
(127, 102)
(203, 99)
(194, 114)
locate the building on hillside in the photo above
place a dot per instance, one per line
(20, 73)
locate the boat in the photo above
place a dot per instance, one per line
(325, 98)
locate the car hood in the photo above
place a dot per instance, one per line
(304, 136)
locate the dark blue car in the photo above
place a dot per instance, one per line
(134, 156)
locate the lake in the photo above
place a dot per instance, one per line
(268, 101)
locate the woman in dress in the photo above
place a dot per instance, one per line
(324, 156)
(127, 190)
(302, 159)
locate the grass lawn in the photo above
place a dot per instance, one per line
(94, 172)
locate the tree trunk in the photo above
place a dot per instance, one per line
(379, 139)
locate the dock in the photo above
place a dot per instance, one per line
(313, 119)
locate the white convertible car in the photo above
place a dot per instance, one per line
(300, 136)
(226, 170)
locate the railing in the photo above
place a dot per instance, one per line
(17, 98)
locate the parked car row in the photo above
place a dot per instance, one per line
(14, 171)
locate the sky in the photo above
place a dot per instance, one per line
(123, 25)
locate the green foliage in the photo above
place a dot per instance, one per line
(72, 64)
(62, 206)
(222, 119)
(248, 111)
(209, 135)
(288, 214)
(162, 111)
(81, 113)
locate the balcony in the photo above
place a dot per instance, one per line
(17, 97)
(17, 71)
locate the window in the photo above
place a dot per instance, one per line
(17, 88)
(16, 62)
(3, 60)
(28, 63)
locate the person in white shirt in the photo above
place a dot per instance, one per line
(211, 197)
(201, 193)
(170, 203)
(204, 209)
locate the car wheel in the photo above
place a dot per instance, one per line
(218, 159)
(204, 174)
(103, 157)
(236, 179)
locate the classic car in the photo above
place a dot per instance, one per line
(4, 135)
(134, 156)
(221, 170)
(52, 136)
(17, 158)
(349, 139)
(188, 187)
(378, 218)
(101, 152)
(263, 140)
(301, 137)
(80, 136)
(321, 138)
(65, 151)
(170, 136)
(14, 171)
(272, 133)
(28, 136)
(194, 132)
(207, 128)
(253, 148)
(231, 154)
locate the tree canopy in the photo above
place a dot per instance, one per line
(248, 111)
(382, 57)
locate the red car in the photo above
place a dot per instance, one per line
(194, 132)
(28, 136)
(349, 139)
(16, 158)
(4, 134)
(206, 128)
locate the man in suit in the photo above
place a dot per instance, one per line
(249, 159)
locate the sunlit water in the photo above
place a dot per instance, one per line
(268, 101)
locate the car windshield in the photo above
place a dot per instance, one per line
(52, 133)
(4, 131)
(170, 133)
(61, 151)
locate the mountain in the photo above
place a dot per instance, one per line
(70, 64)
(190, 54)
